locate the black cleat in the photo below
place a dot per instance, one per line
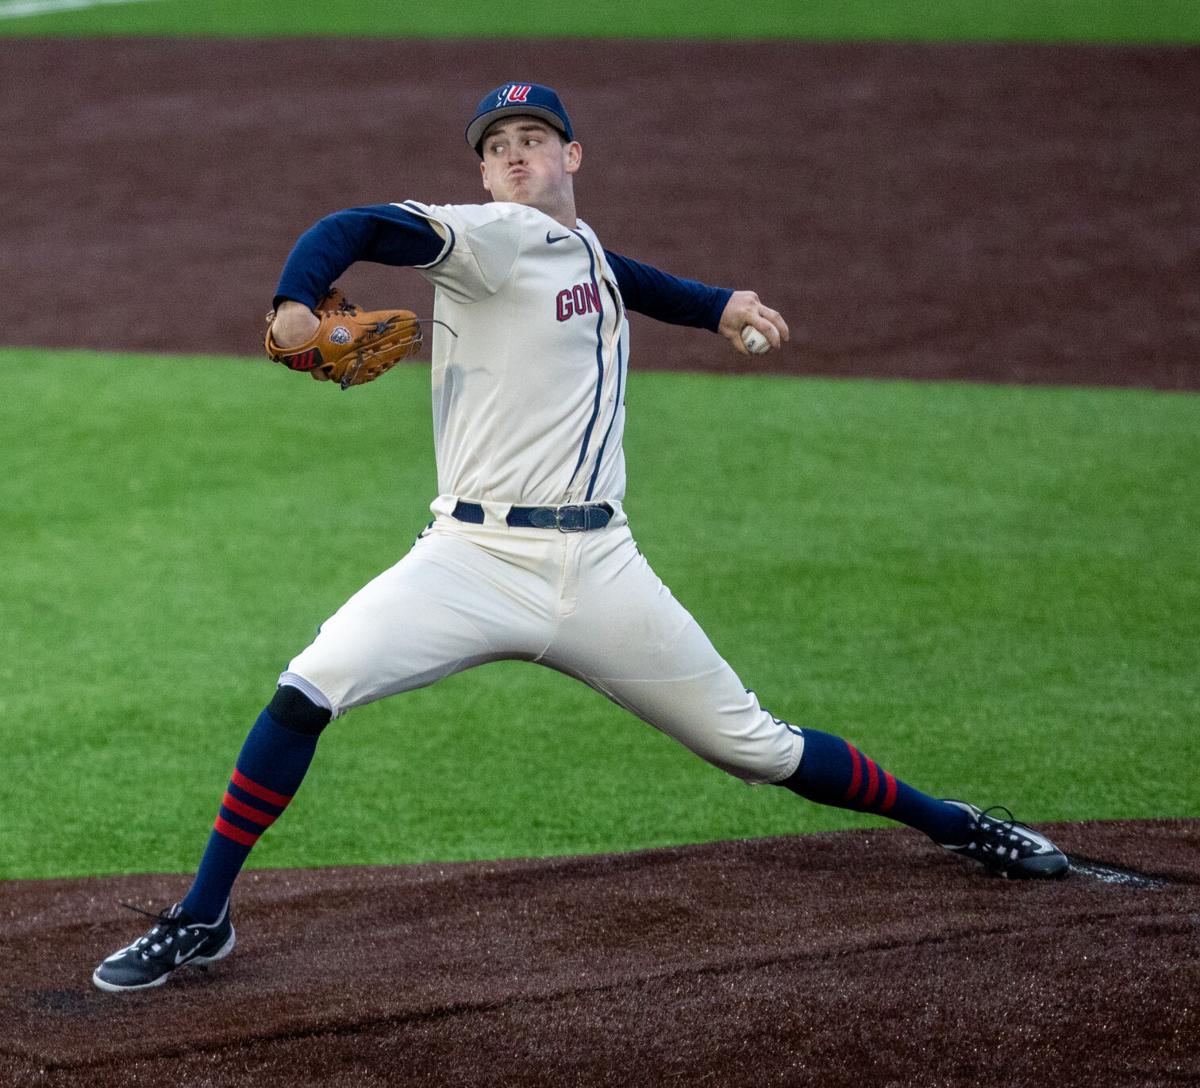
(173, 941)
(1007, 848)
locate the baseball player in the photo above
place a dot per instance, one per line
(529, 555)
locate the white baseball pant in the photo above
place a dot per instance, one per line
(584, 603)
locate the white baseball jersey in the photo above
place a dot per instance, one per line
(528, 392)
(528, 386)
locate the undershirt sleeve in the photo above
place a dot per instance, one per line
(650, 291)
(380, 233)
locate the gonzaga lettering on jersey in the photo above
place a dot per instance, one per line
(493, 441)
(583, 298)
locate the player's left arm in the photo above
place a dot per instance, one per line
(381, 233)
(650, 291)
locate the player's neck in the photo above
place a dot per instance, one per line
(562, 212)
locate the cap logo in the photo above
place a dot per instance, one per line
(514, 92)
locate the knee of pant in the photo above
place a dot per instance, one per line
(294, 710)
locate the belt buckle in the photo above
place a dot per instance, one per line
(570, 519)
(545, 517)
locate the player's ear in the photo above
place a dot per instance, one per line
(483, 174)
(573, 156)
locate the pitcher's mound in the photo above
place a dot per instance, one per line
(840, 959)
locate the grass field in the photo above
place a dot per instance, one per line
(916, 20)
(991, 589)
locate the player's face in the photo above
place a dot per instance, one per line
(527, 162)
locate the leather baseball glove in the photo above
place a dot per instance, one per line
(351, 346)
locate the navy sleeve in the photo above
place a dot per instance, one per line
(657, 294)
(382, 233)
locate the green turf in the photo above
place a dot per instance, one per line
(920, 20)
(992, 590)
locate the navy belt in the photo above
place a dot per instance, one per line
(566, 519)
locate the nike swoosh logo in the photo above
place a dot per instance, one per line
(551, 239)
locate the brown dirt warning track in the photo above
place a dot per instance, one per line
(1008, 213)
(1001, 213)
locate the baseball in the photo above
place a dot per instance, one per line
(755, 342)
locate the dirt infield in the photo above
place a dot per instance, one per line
(836, 959)
(1008, 213)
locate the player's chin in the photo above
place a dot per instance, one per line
(518, 192)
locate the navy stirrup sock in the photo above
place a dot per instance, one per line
(269, 770)
(834, 772)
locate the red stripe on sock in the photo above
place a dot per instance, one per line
(856, 774)
(255, 815)
(872, 782)
(222, 827)
(889, 797)
(261, 792)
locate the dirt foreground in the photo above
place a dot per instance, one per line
(836, 959)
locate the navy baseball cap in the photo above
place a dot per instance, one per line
(513, 98)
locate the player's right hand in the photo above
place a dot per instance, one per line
(745, 308)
